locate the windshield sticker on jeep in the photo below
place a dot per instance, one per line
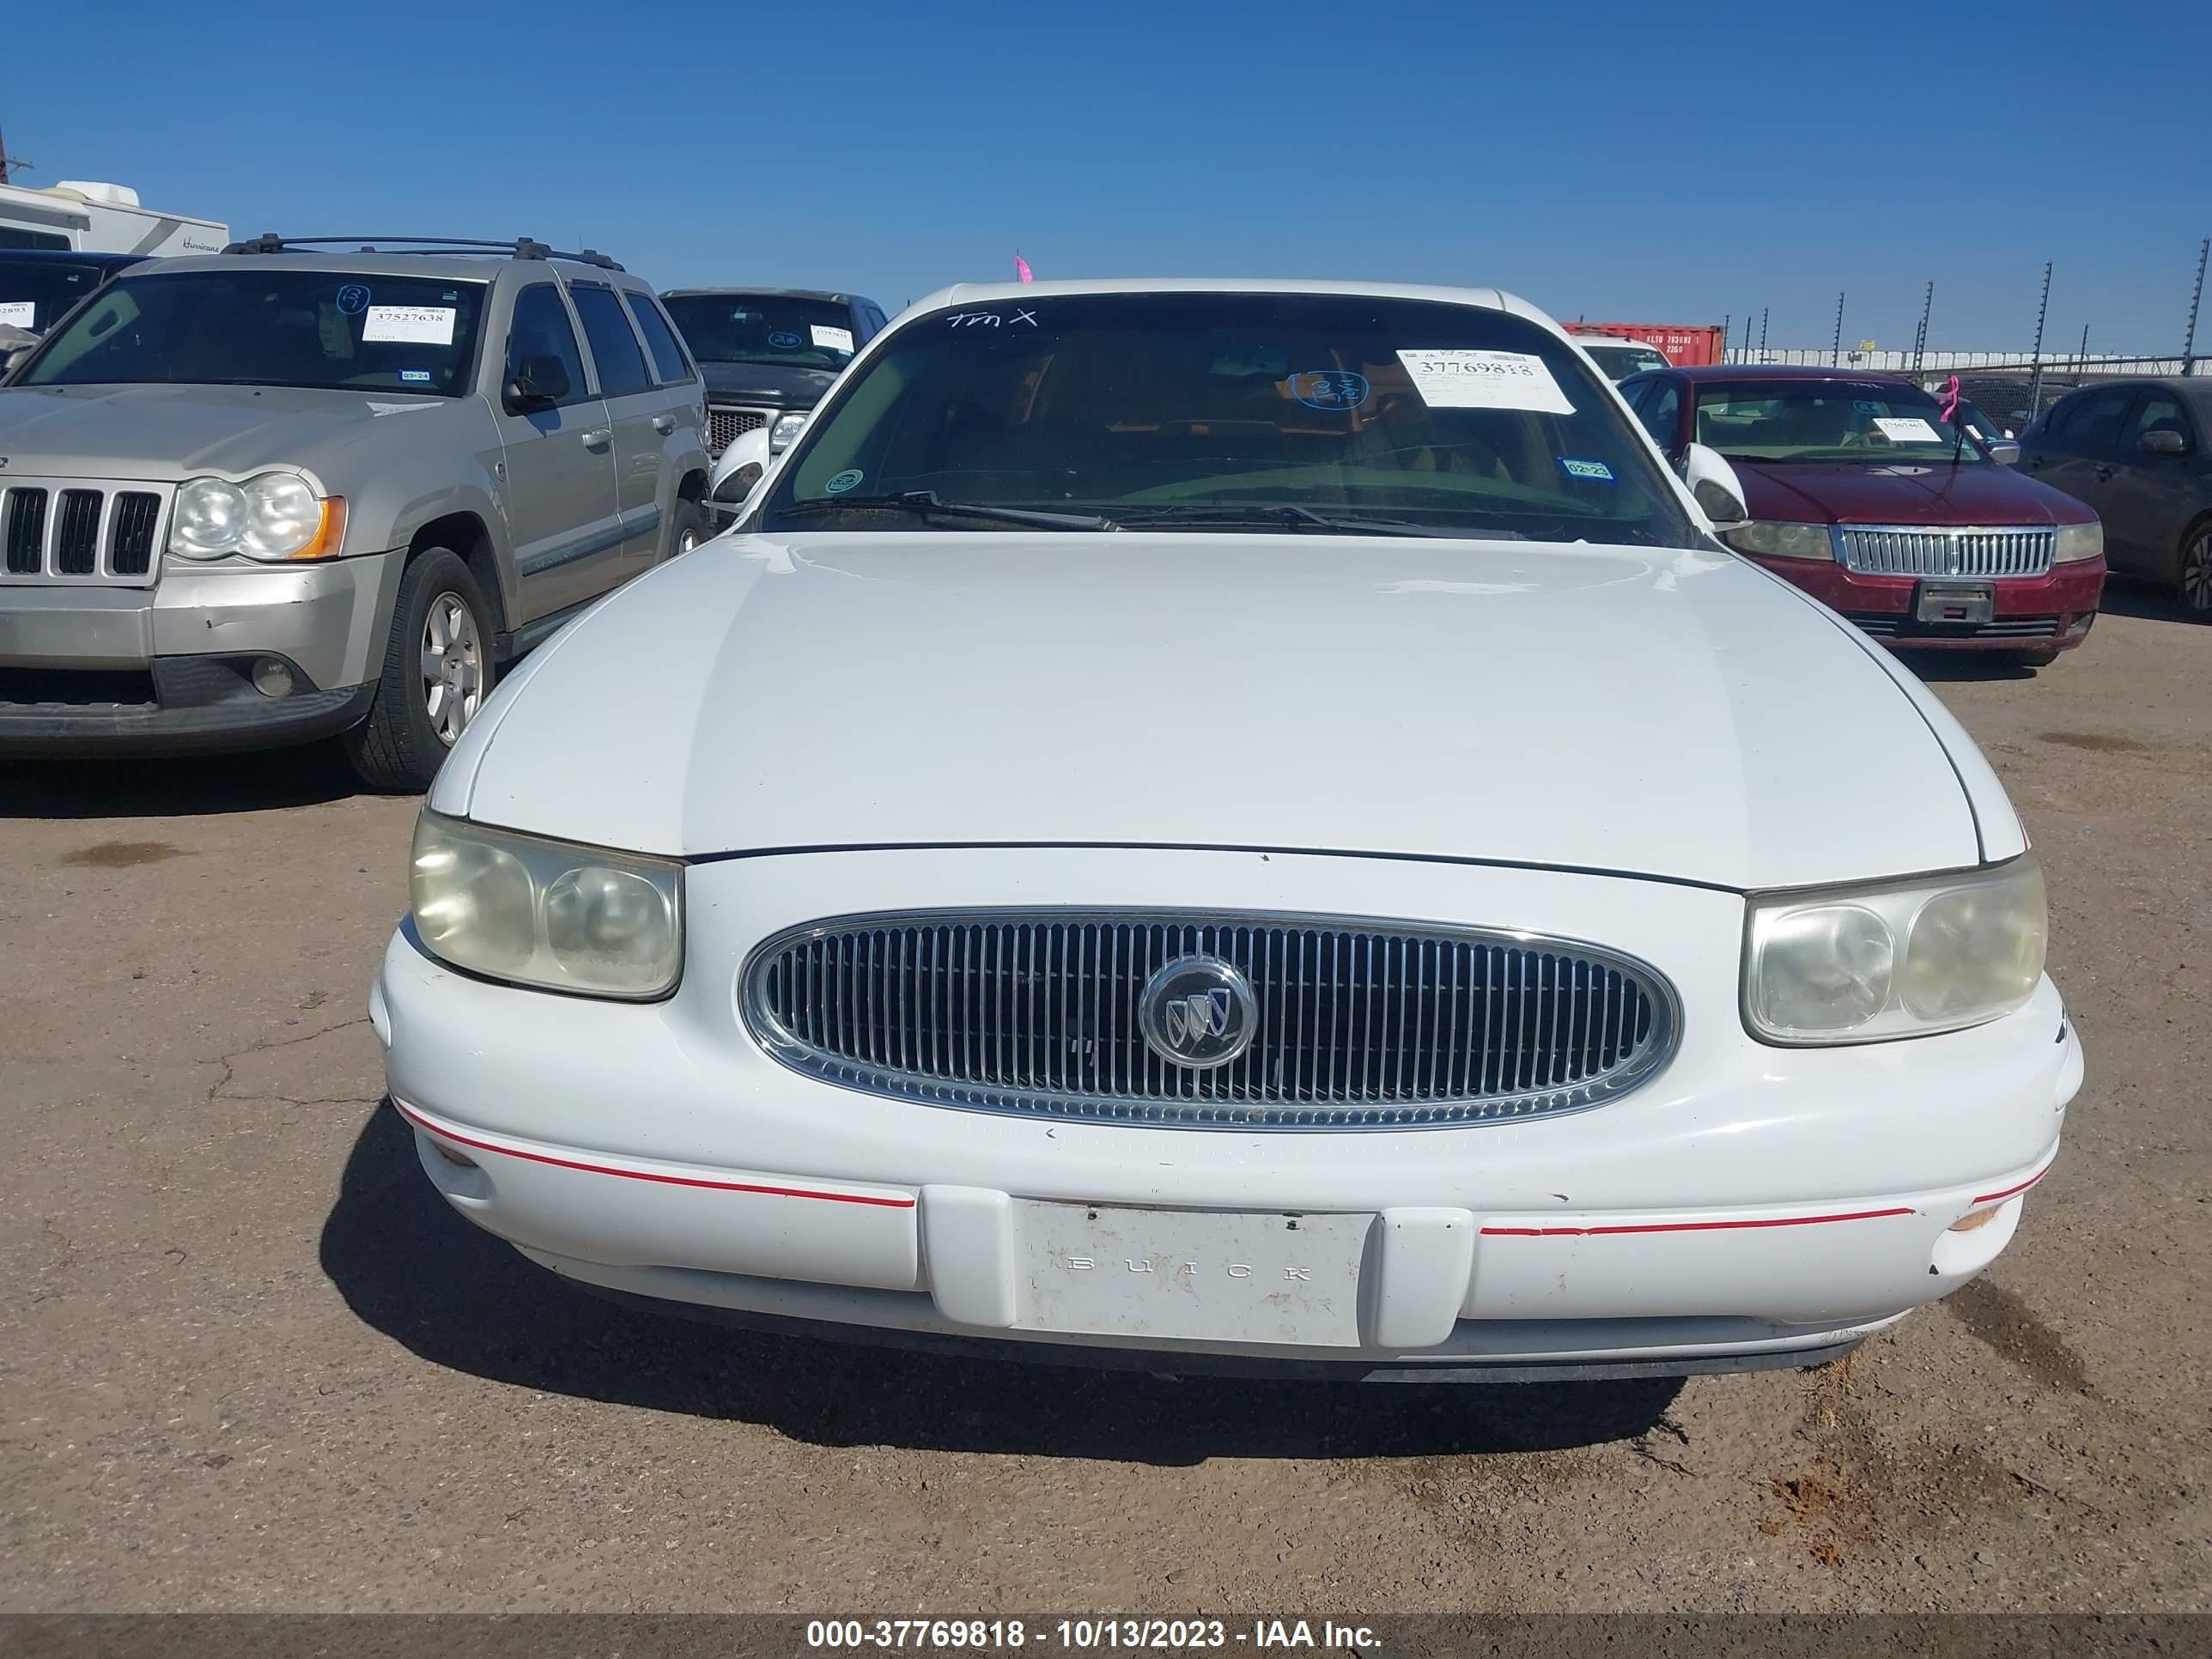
(1330, 388)
(844, 481)
(18, 314)
(421, 374)
(832, 339)
(1907, 429)
(353, 298)
(1597, 470)
(1484, 379)
(784, 340)
(410, 325)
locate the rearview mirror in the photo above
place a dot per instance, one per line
(738, 473)
(2164, 441)
(537, 383)
(1714, 485)
(2005, 451)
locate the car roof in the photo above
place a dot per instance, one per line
(2197, 388)
(767, 293)
(971, 293)
(457, 267)
(69, 256)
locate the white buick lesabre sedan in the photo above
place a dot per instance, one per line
(1222, 825)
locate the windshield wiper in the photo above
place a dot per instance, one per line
(1289, 516)
(925, 503)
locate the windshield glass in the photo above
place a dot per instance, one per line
(34, 292)
(764, 328)
(1194, 408)
(1621, 362)
(1826, 420)
(258, 326)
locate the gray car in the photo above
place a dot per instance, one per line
(2140, 452)
(282, 494)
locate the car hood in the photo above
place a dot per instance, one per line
(775, 385)
(165, 433)
(1660, 712)
(1905, 493)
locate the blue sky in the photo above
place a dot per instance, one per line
(1636, 162)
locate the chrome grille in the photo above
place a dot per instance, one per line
(1942, 550)
(79, 532)
(1362, 1025)
(725, 424)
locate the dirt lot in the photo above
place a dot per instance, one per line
(249, 1361)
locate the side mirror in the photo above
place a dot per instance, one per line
(738, 473)
(537, 383)
(11, 358)
(1715, 487)
(2164, 441)
(2005, 451)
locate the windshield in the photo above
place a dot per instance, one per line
(1826, 420)
(1621, 362)
(1231, 411)
(258, 326)
(764, 328)
(34, 292)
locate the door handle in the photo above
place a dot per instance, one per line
(599, 437)
(664, 424)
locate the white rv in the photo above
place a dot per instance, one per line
(97, 218)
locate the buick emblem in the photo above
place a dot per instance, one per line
(1198, 1012)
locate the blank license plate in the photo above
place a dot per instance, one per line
(1206, 1274)
(1956, 602)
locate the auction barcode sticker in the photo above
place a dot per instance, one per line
(18, 313)
(1484, 379)
(416, 324)
(1907, 429)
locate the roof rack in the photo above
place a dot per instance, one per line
(522, 247)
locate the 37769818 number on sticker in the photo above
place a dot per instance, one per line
(1484, 379)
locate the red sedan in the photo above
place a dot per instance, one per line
(1863, 494)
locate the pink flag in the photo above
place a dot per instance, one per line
(1022, 269)
(1950, 409)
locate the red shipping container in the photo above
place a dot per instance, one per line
(1684, 343)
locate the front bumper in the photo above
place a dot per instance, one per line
(1747, 1201)
(2051, 612)
(168, 670)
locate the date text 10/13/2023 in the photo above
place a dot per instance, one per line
(1086, 1635)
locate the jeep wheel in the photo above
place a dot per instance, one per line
(438, 670)
(2194, 586)
(687, 528)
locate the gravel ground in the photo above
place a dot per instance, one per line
(249, 1361)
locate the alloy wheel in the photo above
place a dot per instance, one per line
(2196, 573)
(453, 666)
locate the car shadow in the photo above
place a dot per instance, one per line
(455, 1296)
(183, 786)
(2152, 601)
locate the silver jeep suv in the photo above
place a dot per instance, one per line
(281, 494)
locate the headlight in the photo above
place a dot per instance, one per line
(2080, 541)
(786, 428)
(547, 914)
(1781, 541)
(271, 516)
(1901, 959)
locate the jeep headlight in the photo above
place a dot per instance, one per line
(272, 516)
(547, 914)
(2081, 541)
(1778, 540)
(1898, 959)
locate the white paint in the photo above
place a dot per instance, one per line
(416, 324)
(1484, 379)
